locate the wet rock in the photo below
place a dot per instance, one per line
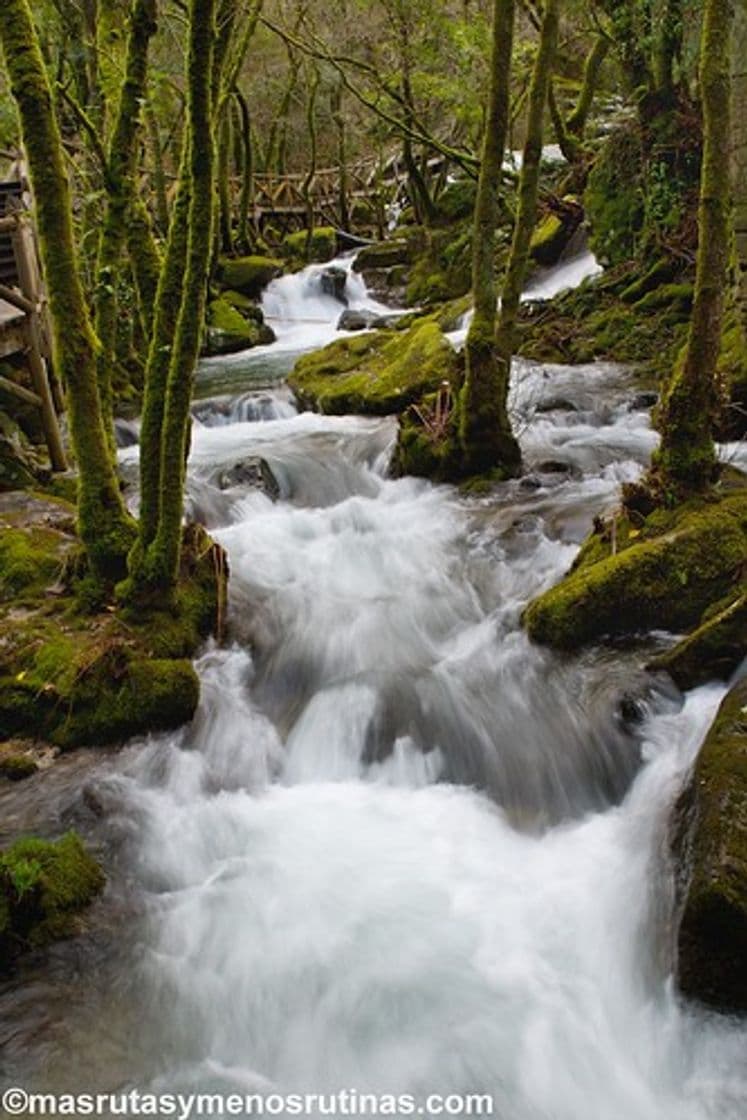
(554, 466)
(556, 404)
(126, 432)
(530, 482)
(253, 473)
(713, 651)
(357, 320)
(710, 850)
(643, 401)
(333, 282)
(382, 255)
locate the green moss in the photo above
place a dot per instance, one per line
(74, 671)
(663, 578)
(442, 266)
(249, 275)
(17, 767)
(319, 248)
(713, 932)
(677, 298)
(30, 560)
(732, 373)
(457, 201)
(426, 454)
(230, 330)
(378, 373)
(44, 885)
(713, 651)
(382, 254)
(614, 200)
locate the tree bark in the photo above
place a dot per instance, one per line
(103, 523)
(484, 427)
(119, 179)
(164, 553)
(526, 214)
(576, 123)
(687, 457)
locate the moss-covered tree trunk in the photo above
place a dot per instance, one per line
(120, 186)
(739, 157)
(104, 525)
(162, 559)
(526, 214)
(168, 303)
(687, 457)
(576, 123)
(246, 197)
(484, 427)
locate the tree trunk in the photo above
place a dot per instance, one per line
(247, 172)
(225, 192)
(103, 523)
(739, 158)
(687, 457)
(576, 123)
(484, 427)
(119, 176)
(526, 214)
(164, 553)
(159, 174)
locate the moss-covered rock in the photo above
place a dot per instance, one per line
(18, 466)
(16, 767)
(383, 254)
(44, 886)
(74, 670)
(713, 651)
(711, 847)
(317, 249)
(378, 373)
(663, 576)
(457, 201)
(554, 232)
(231, 330)
(248, 275)
(442, 266)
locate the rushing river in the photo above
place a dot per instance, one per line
(400, 849)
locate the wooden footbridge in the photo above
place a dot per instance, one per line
(365, 191)
(24, 333)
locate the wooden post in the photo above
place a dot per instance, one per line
(30, 283)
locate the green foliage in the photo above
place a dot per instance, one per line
(320, 247)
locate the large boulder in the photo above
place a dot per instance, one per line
(710, 846)
(664, 575)
(248, 275)
(333, 282)
(378, 373)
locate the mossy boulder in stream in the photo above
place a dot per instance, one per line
(231, 330)
(378, 373)
(710, 846)
(663, 575)
(320, 247)
(44, 886)
(248, 275)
